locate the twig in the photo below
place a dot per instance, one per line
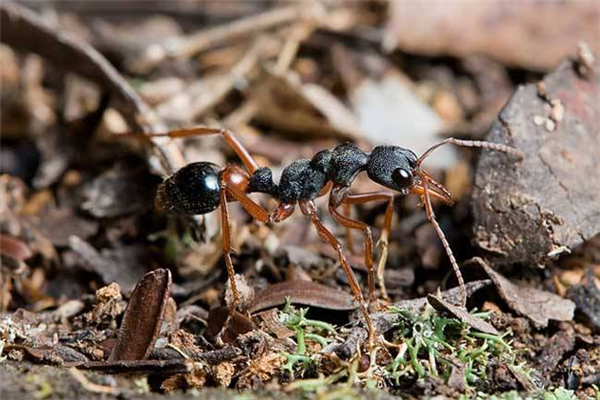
(26, 31)
(202, 40)
(91, 386)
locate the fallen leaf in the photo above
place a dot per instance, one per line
(303, 292)
(537, 305)
(306, 109)
(534, 35)
(236, 325)
(460, 313)
(143, 317)
(15, 248)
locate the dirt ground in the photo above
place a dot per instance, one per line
(113, 279)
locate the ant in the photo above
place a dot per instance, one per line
(202, 187)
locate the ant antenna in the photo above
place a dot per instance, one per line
(431, 216)
(471, 143)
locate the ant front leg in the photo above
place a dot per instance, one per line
(309, 209)
(426, 199)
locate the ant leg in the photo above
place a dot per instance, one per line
(226, 247)
(227, 135)
(234, 181)
(308, 208)
(353, 224)
(471, 143)
(349, 240)
(384, 239)
(426, 199)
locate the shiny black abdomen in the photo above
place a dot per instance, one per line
(194, 189)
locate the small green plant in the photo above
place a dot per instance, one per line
(432, 345)
(559, 394)
(305, 328)
(548, 394)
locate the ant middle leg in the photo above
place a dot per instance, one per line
(341, 197)
(309, 209)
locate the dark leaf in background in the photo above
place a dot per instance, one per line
(534, 35)
(587, 298)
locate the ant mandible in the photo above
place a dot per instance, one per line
(202, 187)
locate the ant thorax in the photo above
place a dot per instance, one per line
(305, 179)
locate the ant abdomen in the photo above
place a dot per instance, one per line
(194, 189)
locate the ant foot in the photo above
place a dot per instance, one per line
(376, 304)
(382, 246)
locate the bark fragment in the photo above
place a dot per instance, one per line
(541, 207)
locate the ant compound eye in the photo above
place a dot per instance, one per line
(402, 177)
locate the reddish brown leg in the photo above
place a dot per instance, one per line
(350, 199)
(349, 240)
(226, 247)
(338, 194)
(308, 208)
(232, 178)
(227, 135)
(426, 199)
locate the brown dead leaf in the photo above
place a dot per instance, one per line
(15, 248)
(143, 317)
(272, 324)
(237, 325)
(460, 313)
(303, 292)
(534, 35)
(61, 223)
(537, 305)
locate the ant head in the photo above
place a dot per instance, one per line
(399, 169)
(393, 167)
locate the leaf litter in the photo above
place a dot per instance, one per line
(93, 278)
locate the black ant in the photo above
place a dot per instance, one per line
(202, 187)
